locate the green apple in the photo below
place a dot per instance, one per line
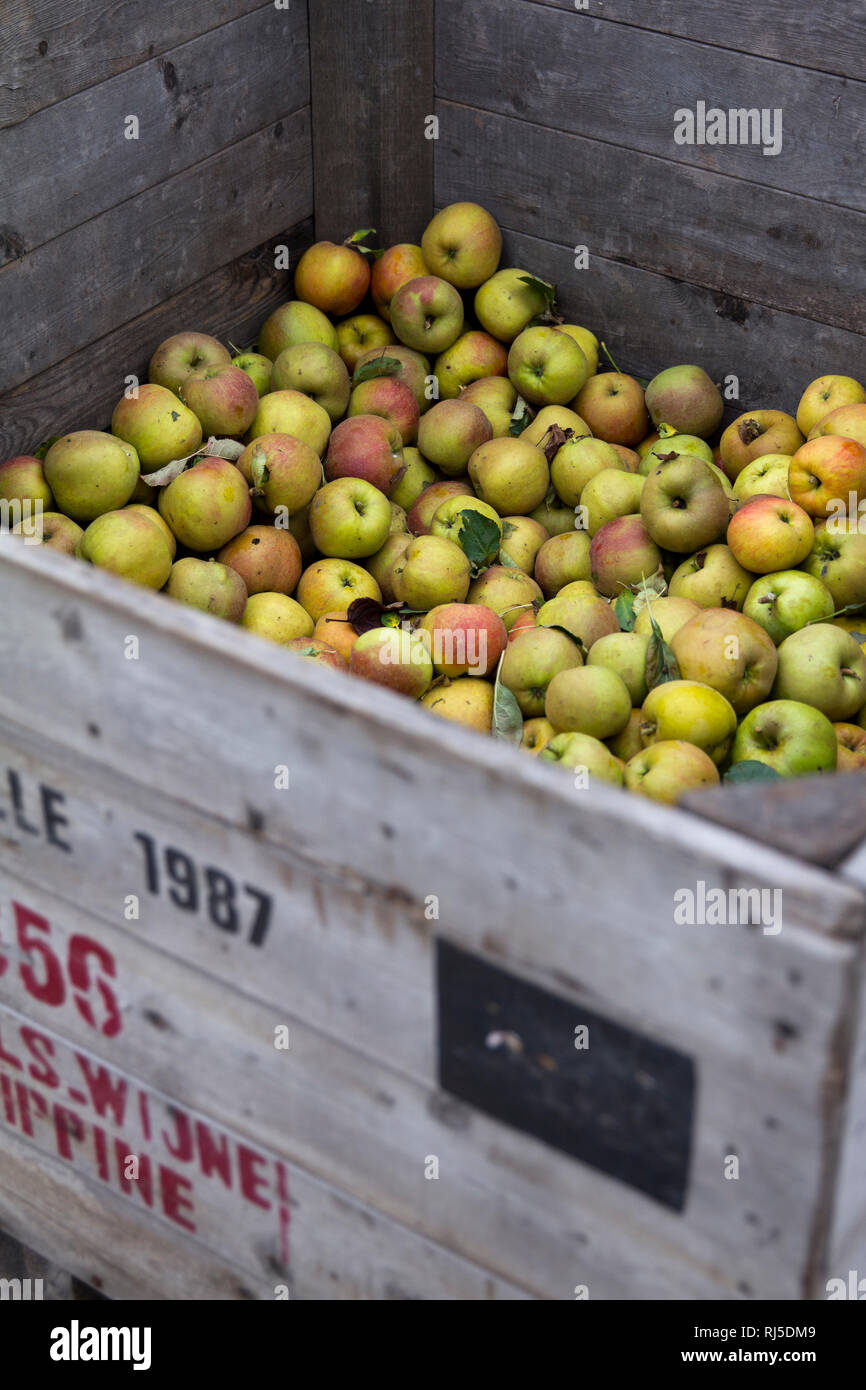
(669, 613)
(258, 368)
(824, 394)
(838, 559)
(22, 479)
(586, 341)
(431, 571)
(522, 538)
(207, 505)
(496, 397)
(585, 753)
(158, 426)
(661, 450)
(793, 738)
(276, 617)
(467, 701)
(583, 613)
(626, 654)
(546, 367)
(155, 519)
(686, 398)
(90, 473)
(510, 474)
(208, 585)
(553, 516)
(531, 661)
(628, 742)
(683, 504)
(417, 475)
(538, 430)
(395, 658)
(537, 734)
(462, 243)
(291, 412)
(577, 461)
(611, 493)
(428, 502)
(448, 519)
(784, 602)
(361, 334)
(129, 545)
(183, 353)
(612, 405)
(330, 586)
(53, 529)
(509, 592)
(474, 356)
(381, 565)
(587, 700)
(284, 472)
(712, 578)
(691, 712)
(505, 304)
(449, 434)
(293, 323)
(667, 770)
(723, 648)
(350, 519)
(846, 420)
(766, 477)
(825, 667)
(318, 372)
(563, 559)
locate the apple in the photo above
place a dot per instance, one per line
(431, 571)
(577, 461)
(785, 601)
(524, 622)
(766, 477)
(537, 734)
(207, 505)
(628, 741)
(22, 479)
(669, 613)
(824, 394)
(827, 475)
(496, 397)
(368, 447)
(509, 592)
(293, 323)
(847, 420)
(333, 278)
(390, 398)
(472, 357)
(128, 545)
(316, 371)
(668, 446)
(768, 534)
(418, 474)
(584, 614)
(793, 738)
(622, 553)
(428, 502)
(684, 505)
(328, 586)
(450, 433)
(851, 747)
(838, 559)
(462, 244)
(53, 529)
(510, 474)
(267, 559)
(522, 538)
(531, 661)
(291, 412)
(723, 648)
(90, 473)
(587, 700)
(546, 367)
(448, 519)
(464, 639)
(581, 751)
(276, 617)
(381, 565)
(350, 519)
(692, 713)
(666, 771)
(612, 404)
(206, 584)
(223, 398)
(284, 472)
(609, 494)
(561, 560)
(538, 430)
(157, 424)
(361, 334)
(427, 314)
(394, 268)
(259, 369)
(586, 341)
(465, 701)
(553, 516)
(393, 657)
(629, 458)
(413, 371)
(506, 304)
(626, 654)
(645, 444)
(335, 630)
(685, 398)
(755, 434)
(183, 353)
(399, 520)
(314, 650)
(713, 578)
(153, 516)
(824, 667)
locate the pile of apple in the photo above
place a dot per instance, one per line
(448, 498)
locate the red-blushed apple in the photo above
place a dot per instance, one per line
(472, 357)
(827, 476)
(585, 754)
(683, 505)
(462, 243)
(368, 447)
(90, 473)
(209, 586)
(582, 612)
(428, 502)
(53, 529)
(316, 371)
(851, 747)
(769, 534)
(350, 519)
(587, 700)
(390, 398)
(722, 648)
(577, 461)
(712, 578)
(545, 366)
(328, 586)
(793, 738)
(362, 333)
(509, 592)
(183, 353)
(563, 559)
(496, 396)
(413, 370)
(532, 659)
(427, 314)
(128, 545)
(395, 267)
(847, 420)
(825, 667)
(276, 617)
(464, 639)
(284, 472)
(522, 538)
(291, 412)
(418, 475)
(537, 734)
(824, 394)
(524, 622)
(22, 479)
(838, 559)
(691, 712)
(766, 477)
(336, 630)
(258, 368)
(630, 458)
(687, 399)
(609, 494)
(465, 701)
(267, 559)
(666, 771)
(669, 613)
(207, 505)
(622, 553)
(510, 474)
(223, 398)
(333, 278)
(450, 517)
(157, 424)
(292, 323)
(450, 433)
(507, 302)
(393, 657)
(626, 654)
(612, 404)
(431, 571)
(754, 434)
(315, 650)
(783, 602)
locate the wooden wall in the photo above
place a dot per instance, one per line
(108, 244)
(561, 121)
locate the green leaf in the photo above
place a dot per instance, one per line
(259, 470)
(506, 561)
(45, 446)
(623, 607)
(507, 718)
(520, 417)
(377, 366)
(542, 287)
(661, 664)
(479, 538)
(751, 771)
(357, 239)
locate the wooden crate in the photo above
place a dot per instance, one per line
(433, 923)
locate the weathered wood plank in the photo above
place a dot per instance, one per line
(820, 819)
(650, 321)
(829, 34)
(372, 89)
(81, 392)
(152, 246)
(778, 249)
(577, 73)
(72, 161)
(51, 50)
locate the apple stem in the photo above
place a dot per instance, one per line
(609, 358)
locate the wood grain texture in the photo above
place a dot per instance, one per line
(821, 819)
(829, 34)
(611, 82)
(650, 321)
(372, 88)
(671, 219)
(81, 392)
(72, 161)
(137, 255)
(50, 49)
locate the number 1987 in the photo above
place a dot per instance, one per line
(170, 872)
